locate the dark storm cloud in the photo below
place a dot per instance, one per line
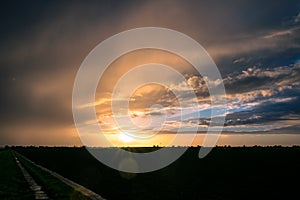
(271, 112)
(43, 43)
(276, 98)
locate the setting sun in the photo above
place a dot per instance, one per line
(125, 137)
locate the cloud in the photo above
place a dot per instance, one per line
(252, 95)
(297, 18)
(268, 79)
(280, 33)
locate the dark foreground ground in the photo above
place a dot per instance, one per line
(226, 173)
(13, 185)
(12, 182)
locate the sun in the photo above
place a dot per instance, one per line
(125, 137)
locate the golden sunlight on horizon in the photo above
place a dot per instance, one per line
(125, 138)
(232, 139)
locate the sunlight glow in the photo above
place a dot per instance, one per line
(125, 138)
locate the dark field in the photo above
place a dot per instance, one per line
(226, 173)
(13, 185)
(12, 182)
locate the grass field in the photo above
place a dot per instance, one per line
(226, 173)
(12, 182)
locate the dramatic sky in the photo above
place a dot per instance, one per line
(255, 44)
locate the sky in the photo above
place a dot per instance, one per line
(255, 44)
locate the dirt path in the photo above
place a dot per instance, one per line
(92, 195)
(38, 192)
